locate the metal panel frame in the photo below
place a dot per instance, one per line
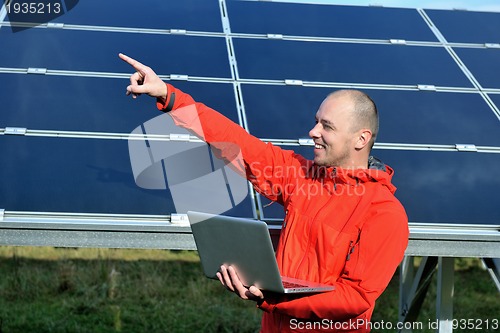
(426, 239)
(438, 244)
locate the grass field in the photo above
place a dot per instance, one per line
(46, 289)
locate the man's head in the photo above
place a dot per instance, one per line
(345, 130)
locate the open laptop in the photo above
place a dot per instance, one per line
(246, 245)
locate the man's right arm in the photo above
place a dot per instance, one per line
(269, 168)
(266, 166)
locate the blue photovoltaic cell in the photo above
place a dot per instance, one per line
(79, 175)
(287, 112)
(201, 15)
(281, 112)
(446, 187)
(271, 210)
(438, 187)
(435, 118)
(466, 26)
(345, 62)
(496, 99)
(92, 104)
(484, 64)
(327, 21)
(74, 175)
(98, 51)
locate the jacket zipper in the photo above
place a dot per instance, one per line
(351, 250)
(311, 226)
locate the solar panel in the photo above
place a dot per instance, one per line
(419, 117)
(496, 100)
(197, 15)
(79, 176)
(76, 50)
(446, 187)
(266, 66)
(327, 21)
(73, 175)
(483, 63)
(84, 103)
(346, 63)
(460, 26)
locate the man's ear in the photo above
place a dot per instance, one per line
(363, 139)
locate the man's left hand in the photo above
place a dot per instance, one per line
(229, 279)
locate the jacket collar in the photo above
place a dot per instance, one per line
(377, 172)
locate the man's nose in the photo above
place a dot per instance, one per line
(313, 133)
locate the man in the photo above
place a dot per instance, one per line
(343, 225)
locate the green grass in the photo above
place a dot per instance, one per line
(46, 289)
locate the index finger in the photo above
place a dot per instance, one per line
(132, 62)
(238, 285)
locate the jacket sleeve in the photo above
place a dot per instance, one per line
(377, 254)
(262, 163)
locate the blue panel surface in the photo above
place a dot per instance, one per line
(467, 26)
(287, 112)
(281, 112)
(446, 187)
(91, 104)
(496, 99)
(74, 175)
(98, 51)
(344, 62)
(435, 118)
(202, 15)
(484, 64)
(78, 175)
(327, 21)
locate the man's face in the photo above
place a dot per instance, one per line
(333, 138)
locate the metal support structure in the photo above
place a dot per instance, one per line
(413, 288)
(438, 245)
(444, 304)
(493, 267)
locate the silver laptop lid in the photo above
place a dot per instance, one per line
(246, 245)
(242, 243)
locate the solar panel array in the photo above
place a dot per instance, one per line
(433, 74)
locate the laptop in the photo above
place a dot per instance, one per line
(246, 245)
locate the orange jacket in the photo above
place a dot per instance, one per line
(342, 227)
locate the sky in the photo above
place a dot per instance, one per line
(473, 5)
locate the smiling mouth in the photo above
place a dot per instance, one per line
(318, 146)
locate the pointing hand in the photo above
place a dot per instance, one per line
(144, 80)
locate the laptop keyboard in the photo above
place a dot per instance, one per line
(289, 285)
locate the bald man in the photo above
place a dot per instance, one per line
(345, 131)
(343, 224)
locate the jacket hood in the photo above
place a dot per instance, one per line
(377, 172)
(381, 173)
